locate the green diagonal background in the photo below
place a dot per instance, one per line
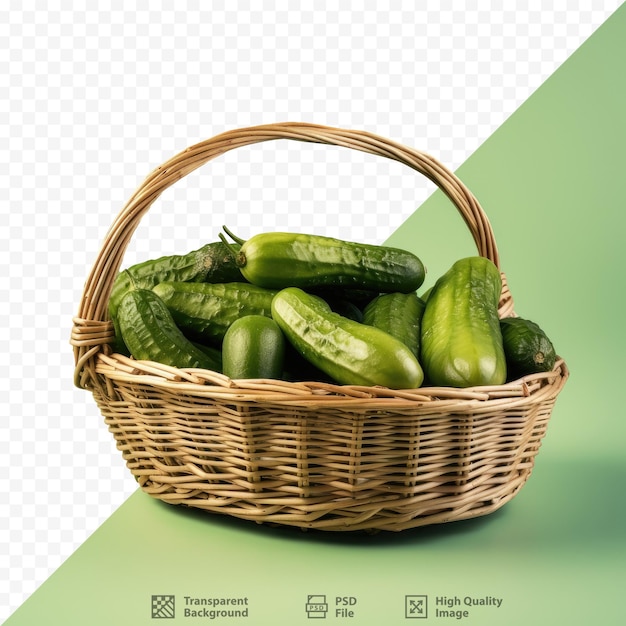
(551, 180)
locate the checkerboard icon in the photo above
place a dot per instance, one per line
(163, 607)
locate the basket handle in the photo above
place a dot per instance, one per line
(92, 330)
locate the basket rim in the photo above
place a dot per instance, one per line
(119, 369)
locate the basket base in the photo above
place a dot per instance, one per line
(371, 517)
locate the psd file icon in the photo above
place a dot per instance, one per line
(316, 607)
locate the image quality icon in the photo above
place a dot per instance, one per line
(415, 607)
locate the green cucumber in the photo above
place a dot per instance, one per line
(461, 337)
(350, 352)
(399, 314)
(212, 262)
(206, 310)
(277, 260)
(527, 348)
(150, 333)
(253, 347)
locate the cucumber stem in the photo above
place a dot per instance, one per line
(236, 239)
(238, 256)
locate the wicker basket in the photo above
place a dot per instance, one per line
(311, 455)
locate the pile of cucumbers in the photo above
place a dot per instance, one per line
(295, 306)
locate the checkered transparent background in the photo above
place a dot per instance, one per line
(93, 100)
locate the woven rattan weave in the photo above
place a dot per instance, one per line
(312, 455)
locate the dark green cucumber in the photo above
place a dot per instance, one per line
(527, 348)
(349, 352)
(253, 347)
(206, 310)
(150, 332)
(345, 307)
(212, 352)
(276, 260)
(461, 338)
(398, 314)
(359, 298)
(298, 369)
(213, 262)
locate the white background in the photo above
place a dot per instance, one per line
(93, 100)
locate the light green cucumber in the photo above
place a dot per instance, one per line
(281, 259)
(350, 352)
(461, 337)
